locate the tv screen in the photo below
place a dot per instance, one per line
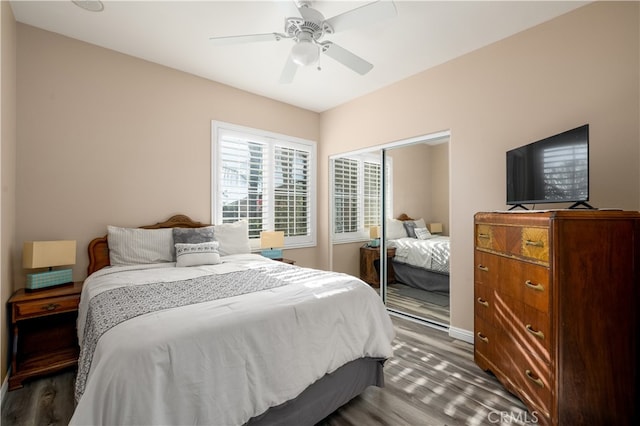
(551, 170)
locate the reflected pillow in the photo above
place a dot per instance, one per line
(197, 254)
(423, 233)
(395, 229)
(410, 227)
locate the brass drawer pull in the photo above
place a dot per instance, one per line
(483, 338)
(534, 243)
(484, 236)
(539, 334)
(483, 302)
(483, 268)
(533, 378)
(51, 307)
(533, 286)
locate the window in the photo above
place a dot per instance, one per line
(356, 196)
(267, 179)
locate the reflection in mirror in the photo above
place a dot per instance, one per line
(415, 178)
(416, 230)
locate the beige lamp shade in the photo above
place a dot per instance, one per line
(45, 254)
(374, 232)
(271, 239)
(435, 228)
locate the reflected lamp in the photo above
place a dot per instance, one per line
(435, 228)
(374, 234)
(48, 254)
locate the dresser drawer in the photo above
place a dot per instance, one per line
(484, 302)
(529, 377)
(530, 328)
(37, 308)
(535, 243)
(525, 281)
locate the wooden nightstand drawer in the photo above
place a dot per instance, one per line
(37, 308)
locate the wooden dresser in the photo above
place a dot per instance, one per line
(556, 311)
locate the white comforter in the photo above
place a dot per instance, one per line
(432, 254)
(225, 361)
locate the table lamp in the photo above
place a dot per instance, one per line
(374, 234)
(435, 228)
(47, 254)
(271, 243)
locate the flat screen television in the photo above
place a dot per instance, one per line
(551, 170)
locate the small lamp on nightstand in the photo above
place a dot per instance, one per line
(47, 254)
(435, 228)
(271, 243)
(374, 234)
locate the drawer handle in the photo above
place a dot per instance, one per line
(539, 334)
(483, 337)
(483, 302)
(484, 236)
(533, 378)
(51, 307)
(483, 268)
(534, 243)
(531, 285)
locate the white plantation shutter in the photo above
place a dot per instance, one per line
(356, 197)
(265, 178)
(345, 195)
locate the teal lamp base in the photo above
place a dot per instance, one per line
(275, 254)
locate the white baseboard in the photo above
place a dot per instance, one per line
(461, 334)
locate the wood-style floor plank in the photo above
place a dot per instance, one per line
(430, 381)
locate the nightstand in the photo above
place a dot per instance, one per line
(370, 265)
(285, 260)
(44, 336)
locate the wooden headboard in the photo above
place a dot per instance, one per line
(403, 217)
(99, 247)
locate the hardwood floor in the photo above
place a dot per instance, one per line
(431, 380)
(416, 307)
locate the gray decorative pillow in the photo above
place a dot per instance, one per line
(193, 235)
(197, 254)
(423, 234)
(410, 227)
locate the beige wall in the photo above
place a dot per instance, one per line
(7, 168)
(579, 68)
(106, 138)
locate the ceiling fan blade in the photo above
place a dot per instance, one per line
(289, 71)
(346, 58)
(249, 38)
(363, 15)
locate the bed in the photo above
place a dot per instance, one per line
(421, 259)
(219, 336)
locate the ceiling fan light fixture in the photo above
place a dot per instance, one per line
(90, 5)
(305, 52)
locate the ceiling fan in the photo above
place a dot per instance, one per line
(306, 26)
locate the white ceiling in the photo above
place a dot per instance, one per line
(176, 34)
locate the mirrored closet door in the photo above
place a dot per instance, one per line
(394, 199)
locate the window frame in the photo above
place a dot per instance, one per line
(271, 140)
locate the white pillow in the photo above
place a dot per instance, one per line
(197, 254)
(423, 233)
(395, 229)
(134, 246)
(420, 223)
(233, 237)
